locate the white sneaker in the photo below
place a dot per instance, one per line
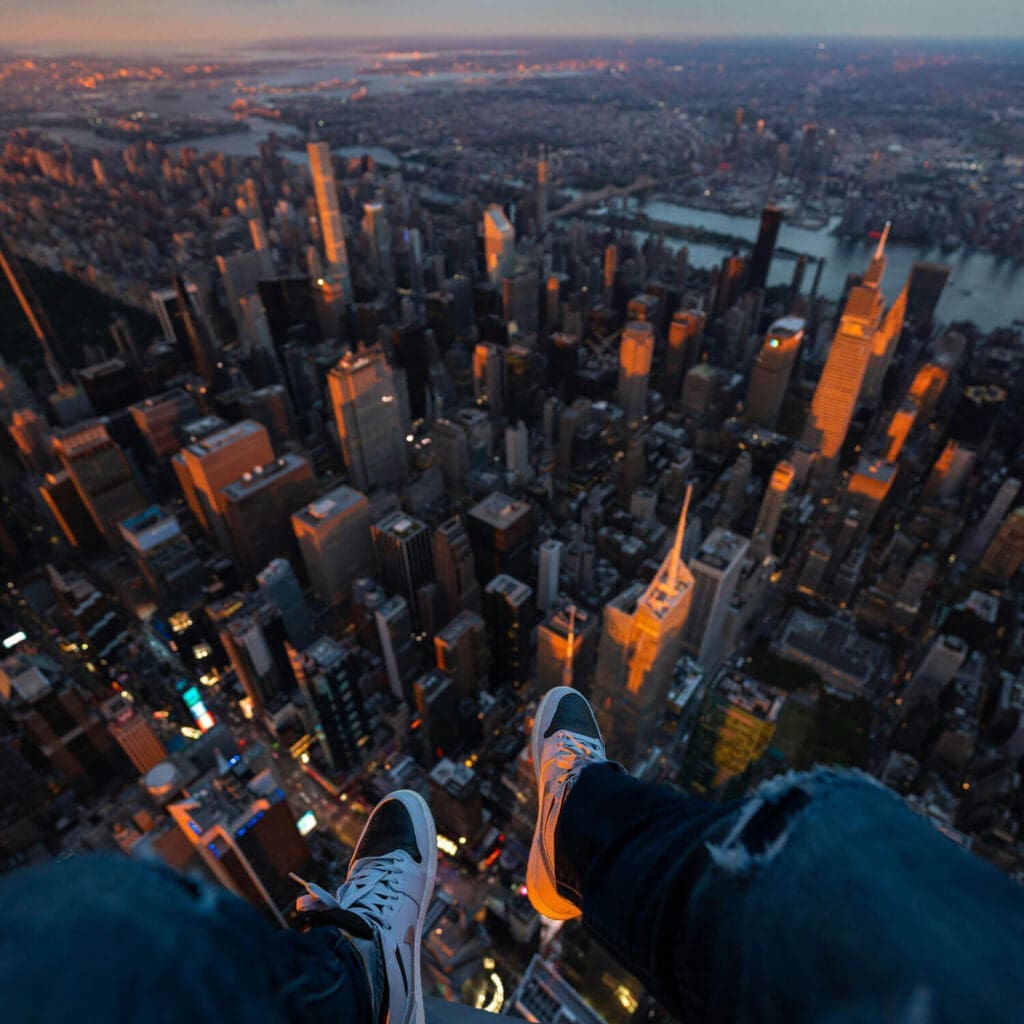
(389, 885)
(565, 739)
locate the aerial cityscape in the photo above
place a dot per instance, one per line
(355, 394)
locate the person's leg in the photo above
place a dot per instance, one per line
(822, 898)
(109, 939)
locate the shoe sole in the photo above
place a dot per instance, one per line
(427, 821)
(559, 909)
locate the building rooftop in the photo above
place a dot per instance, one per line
(223, 438)
(261, 477)
(400, 525)
(721, 548)
(500, 511)
(326, 509)
(517, 592)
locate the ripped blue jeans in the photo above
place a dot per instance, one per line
(110, 939)
(820, 899)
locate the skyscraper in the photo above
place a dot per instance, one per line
(883, 348)
(332, 227)
(101, 475)
(716, 571)
(508, 612)
(685, 334)
(548, 571)
(462, 652)
(394, 631)
(764, 247)
(134, 734)
(453, 566)
(207, 466)
(159, 417)
(489, 376)
(566, 648)
(278, 583)
(401, 545)
(771, 509)
(500, 529)
(326, 676)
(925, 286)
(378, 231)
(437, 703)
(517, 451)
(334, 540)
(164, 557)
(258, 510)
(981, 536)
(368, 414)
(772, 370)
(641, 640)
(635, 355)
(835, 398)
(1005, 553)
(499, 244)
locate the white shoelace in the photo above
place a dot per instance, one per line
(371, 892)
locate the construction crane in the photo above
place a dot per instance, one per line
(33, 310)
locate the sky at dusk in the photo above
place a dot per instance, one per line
(157, 25)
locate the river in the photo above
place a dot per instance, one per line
(982, 287)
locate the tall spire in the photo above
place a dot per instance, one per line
(880, 251)
(570, 644)
(677, 546)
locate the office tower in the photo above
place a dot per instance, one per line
(774, 365)
(58, 720)
(110, 385)
(635, 355)
(378, 231)
(499, 244)
(951, 470)
(868, 487)
(369, 419)
(102, 477)
(700, 389)
(69, 512)
(206, 466)
(159, 418)
(436, 704)
(455, 799)
(454, 567)
(774, 501)
(164, 557)
(31, 436)
(736, 726)
(500, 529)
(927, 387)
(489, 377)
(394, 631)
(520, 305)
(517, 451)
(401, 546)
(566, 648)
(547, 574)
(835, 398)
(508, 612)
(764, 247)
(544, 997)
(238, 820)
(943, 660)
(899, 428)
(241, 274)
(202, 345)
(685, 335)
(641, 639)
(981, 536)
(258, 510)
(251, 631)
(542, 193)
(924, 288)
(451, 453)
(333, 533)
(272, 407)
(734, 498)
(133, 734)
(332, 227)
(327, 675)
(716, 571)
(730, 283)
(462, 652)
(883, 348)
(1005, 553)
(278, 583)
(563, 364)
